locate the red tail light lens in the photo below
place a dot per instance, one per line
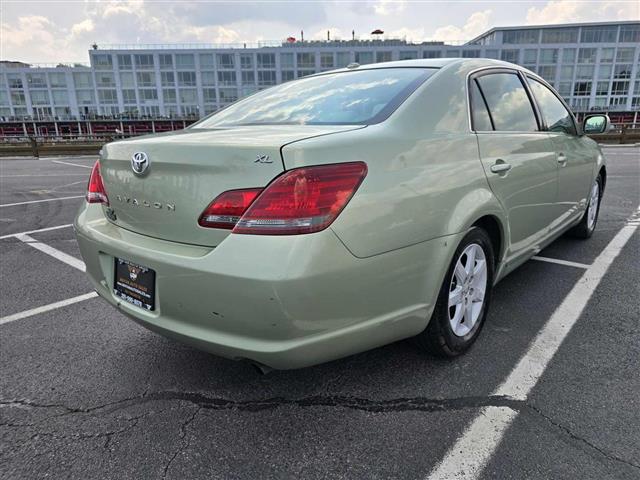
(303, 200)
(227, 208)
(95, 191)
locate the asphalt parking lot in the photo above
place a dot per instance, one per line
(86, 393)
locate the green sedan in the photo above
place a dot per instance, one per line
(342, 211)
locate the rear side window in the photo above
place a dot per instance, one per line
(556, 116)
(479, 111)
(508, 102)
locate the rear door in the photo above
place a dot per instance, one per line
(518, 157)
(574, 157)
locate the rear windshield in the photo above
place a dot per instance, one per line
(359, 97)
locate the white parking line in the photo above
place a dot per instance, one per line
(47, 229)
(40, 201)
(72, 164)
(566, 263)
(469, 455)
(55, 253)
(47, 308)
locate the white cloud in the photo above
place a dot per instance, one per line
(82, 27)
(557, 11)
(388, 7)
(476, 24)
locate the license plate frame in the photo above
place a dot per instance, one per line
(134, 284)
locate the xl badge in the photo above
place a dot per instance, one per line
(263, 159)
(139, 162)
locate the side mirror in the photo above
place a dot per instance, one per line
(596, 124)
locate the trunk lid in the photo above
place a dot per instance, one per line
(187, 170)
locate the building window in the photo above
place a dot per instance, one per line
(304, 73)
(530, 56)
(14, 80)
(606, 55)
(408, 54)
(364, 58)
(126, 80)
(383, 57)
(246, 61)
(629, 33)
(146, 79)
(619, 102)
(167, 79)
(107, 97)
(148, 95)
(105, 79)
(144, 61)
(326, 60)
(208, 78)
(267, 77)
(548, 72)
(40, 97)
(249, 78)
(266, 60)
(85, 97)
(286, 60)
(559, 35)
(566, 72)
(225, 60)
(602, 88)
(604, 72)
(82, 80)
(584, 72)
(625, 55)
(58, 80)
(471, 54)
(124, 62)
(343, 59)
(510, 55)
(492, 54)
(564, 89)
(569, 55)
(169, 95)
(582, 89)
(587, 55)
(549, 55)
(622, 71)
(599, 34)
(206, 61)
(452, 54)
(307, 60)
(102, 62)
(431, 54)
(635, 102)
(520, 36)
(129, 97)
(226, 78)
(36, 80)
(18, 98)
(185, 60)
(228, 95)
(209, 95)
(287, 75)
(60, 97)
(620, 88)
(187, 79)
(166, 61)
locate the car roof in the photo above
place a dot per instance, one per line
(465, 64)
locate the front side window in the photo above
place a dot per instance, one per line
(357, 97)
(508, 102)
(556, 116)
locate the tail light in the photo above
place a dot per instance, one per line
(303, 200)
(227, 208)
(95, 190)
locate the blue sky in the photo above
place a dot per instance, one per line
(53, 31)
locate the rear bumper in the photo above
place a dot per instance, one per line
(283, 301)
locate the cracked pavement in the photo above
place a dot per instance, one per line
(86, 393)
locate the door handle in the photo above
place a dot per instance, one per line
(500, 167)
(562, 159)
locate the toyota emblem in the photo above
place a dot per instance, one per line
(139, 162)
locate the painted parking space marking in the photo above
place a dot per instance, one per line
(558, 261)
(55, 253)
(72, 164)
(473, 449)
(47, 308)
(46, 229)
(40, 201)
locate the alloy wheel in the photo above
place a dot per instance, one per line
(467, 289)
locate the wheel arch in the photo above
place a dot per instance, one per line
(494, 228)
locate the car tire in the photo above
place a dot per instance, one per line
(448, 334)
(589, 220)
